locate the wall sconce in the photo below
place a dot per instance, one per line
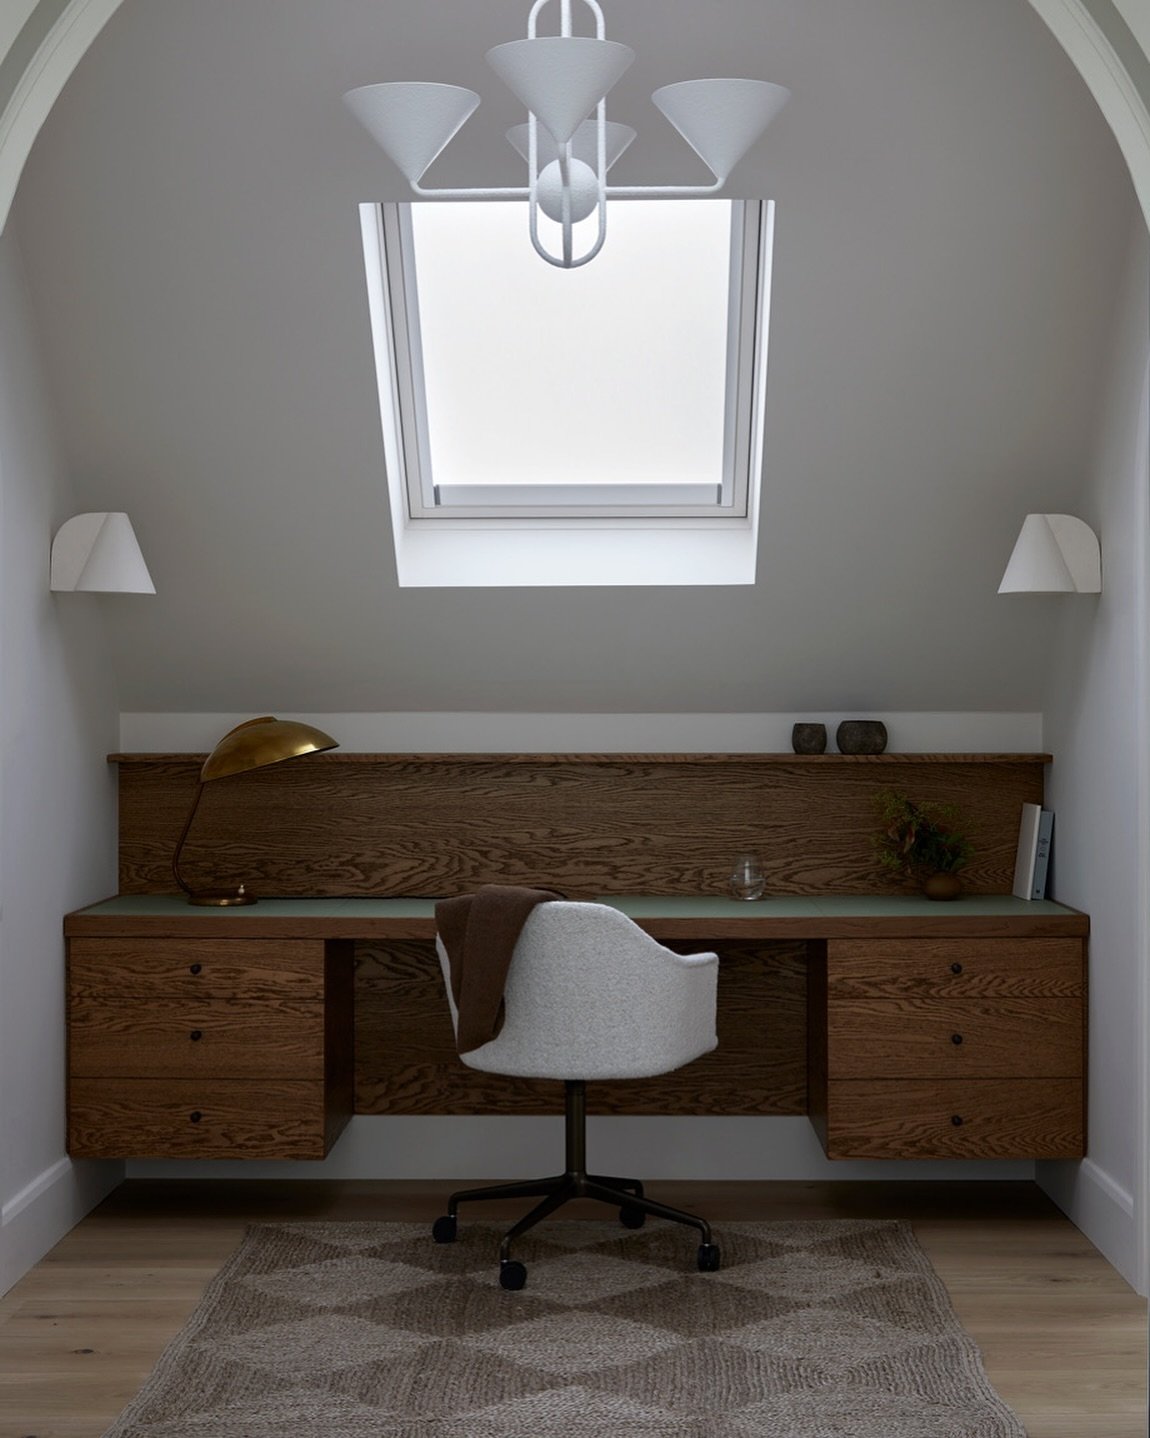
(251, 745)
(99, 552)
(1054, 554)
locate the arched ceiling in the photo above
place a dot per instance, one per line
(953, 218)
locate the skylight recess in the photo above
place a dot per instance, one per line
(620, 391)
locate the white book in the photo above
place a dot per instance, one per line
(1030, 864)
(1042, 854)
(1027, 851)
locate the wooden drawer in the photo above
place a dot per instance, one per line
(258, 969)
(1012, 1118)
(192, 1118)
(952, 1038)
(196, 1038)
(955, 968)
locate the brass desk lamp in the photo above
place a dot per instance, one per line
(251, 745)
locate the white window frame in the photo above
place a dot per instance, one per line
(730, 502)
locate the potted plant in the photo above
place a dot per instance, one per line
(921, 841)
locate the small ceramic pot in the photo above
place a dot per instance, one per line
(942, 886)
(809, 738)
(861, 736)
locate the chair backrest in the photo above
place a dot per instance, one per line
(589, 995)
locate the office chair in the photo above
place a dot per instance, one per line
(590, 996)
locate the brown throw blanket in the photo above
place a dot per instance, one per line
(479, 932)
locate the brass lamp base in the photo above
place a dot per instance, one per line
(222, 898)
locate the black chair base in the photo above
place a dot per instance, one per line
(624, 1193)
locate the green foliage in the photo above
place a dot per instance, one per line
(919, 839)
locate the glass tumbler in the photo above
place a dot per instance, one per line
(747, 881)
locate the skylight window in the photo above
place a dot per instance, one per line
(624, 391)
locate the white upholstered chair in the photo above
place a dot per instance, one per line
(590, 996)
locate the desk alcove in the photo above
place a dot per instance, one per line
(904, 1028)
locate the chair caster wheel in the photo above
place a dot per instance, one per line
(708, 1257)
(632, 1216)
(443, 1230)
(512, 1274)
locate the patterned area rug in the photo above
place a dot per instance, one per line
(836, 1329)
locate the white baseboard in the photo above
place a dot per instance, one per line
(1103, 1209)
(449, 1148)
(35, 1219)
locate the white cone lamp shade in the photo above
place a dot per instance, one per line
(721, 119)
(100, 553)
(584, 143)
(560, 78)
(412, 121)
(1054, 554)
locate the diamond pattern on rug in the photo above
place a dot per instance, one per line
(846, 1412)
(316, 1345)
(283, 1413)
(350, 1235)
(810, 1330)
(581, 1278)
(575, 1343)
(827, 1342)
(465, 1305)
(440, 1380)
(807, 1233)
(557, 1413)
(705, 1377)
(806, 1275)
(696, 1310)
(342, 1281)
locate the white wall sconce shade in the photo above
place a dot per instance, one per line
(1054, 554)
(99, 553)
(563, 80)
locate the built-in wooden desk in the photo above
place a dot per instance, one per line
(934, 1030)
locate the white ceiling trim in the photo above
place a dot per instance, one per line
(1111, 84)
(35, 90)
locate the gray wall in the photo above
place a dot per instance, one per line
(952, 212)
(1096, 724)
(57, 805)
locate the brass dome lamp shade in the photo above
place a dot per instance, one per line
(251, 745)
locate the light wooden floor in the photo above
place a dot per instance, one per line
(1062, 1336)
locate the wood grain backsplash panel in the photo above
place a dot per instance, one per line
(406, 1061)
(338, 824)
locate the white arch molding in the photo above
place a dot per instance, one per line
(1090, 31)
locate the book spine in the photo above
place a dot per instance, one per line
(1042, 854)
(1024, 859)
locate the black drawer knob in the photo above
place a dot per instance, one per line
(956, 968)
(956, 1119)
(956, 1038)
(195, 968)
(196, 1035)
(195, 1115)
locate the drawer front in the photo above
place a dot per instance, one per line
(982, 1118)
(196, 1038)
(955, 968)
(189, 1118)
(952, 1038)
(196, 968)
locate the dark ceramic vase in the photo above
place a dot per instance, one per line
(942, 886)
(861, 736)
(809, 738)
